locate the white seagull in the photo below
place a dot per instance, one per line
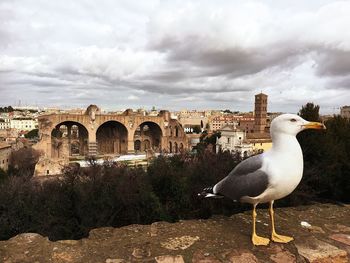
(269, 176)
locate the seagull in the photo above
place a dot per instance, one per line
(269, 176)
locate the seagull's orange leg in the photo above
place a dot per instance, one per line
(274, 236)
(257, 240)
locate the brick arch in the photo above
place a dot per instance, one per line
(92, 122)
(68, 123)
(61, 146)
(150, 134)
(112, 137)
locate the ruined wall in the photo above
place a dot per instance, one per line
(95, 134)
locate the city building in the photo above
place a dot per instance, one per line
(345, 112)
(5, 123)
(261, 142)
(247, 123)
(218, 122)
(5, 151)
(24, 123)
(234, 140)
(260, 112)
(193, 121)
(9, 135)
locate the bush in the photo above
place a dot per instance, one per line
(68, 207)
(22, 162)
(113, 195)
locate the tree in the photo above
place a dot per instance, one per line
(196, 129)
(310, 112)
(208, 140)
(6, 109)
(326, 159)
(32, 134)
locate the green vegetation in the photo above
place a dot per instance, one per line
(117, 195)
(326, 157)
(113, 195)
(6, 109)
(208, 140)
(33, 134)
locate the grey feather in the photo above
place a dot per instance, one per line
(246, 179)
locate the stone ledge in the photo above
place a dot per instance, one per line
(325, 238)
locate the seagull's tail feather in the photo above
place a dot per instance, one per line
(208, 192)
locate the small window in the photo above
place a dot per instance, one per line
(228, 140)
(47, 171)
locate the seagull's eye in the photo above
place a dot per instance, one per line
(293, 120)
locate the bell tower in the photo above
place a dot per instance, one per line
(260, 112)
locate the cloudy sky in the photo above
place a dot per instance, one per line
(175, 54)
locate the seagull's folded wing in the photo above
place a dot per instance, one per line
(246, 179)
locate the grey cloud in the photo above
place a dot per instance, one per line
(231, 61)
(333, 62)
(87, 52)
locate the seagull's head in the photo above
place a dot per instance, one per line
(293, 124)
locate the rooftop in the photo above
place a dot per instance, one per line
(4, 145)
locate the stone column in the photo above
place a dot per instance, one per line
(69, 138)
(92, 144)
(131, 147)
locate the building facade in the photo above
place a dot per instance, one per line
(5, 123)
(5, 151)
(261, 142)
(234, 140)
(219, 122)
(24, 124)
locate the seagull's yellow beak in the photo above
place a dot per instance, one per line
(314, 125)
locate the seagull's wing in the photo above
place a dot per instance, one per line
(246, 179)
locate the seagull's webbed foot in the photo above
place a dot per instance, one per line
(274, 236)
(280, 239)
(260, 241)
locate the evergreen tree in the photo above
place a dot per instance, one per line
(310, 112)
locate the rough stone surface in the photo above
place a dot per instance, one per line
(242, 256)
(177, 243)
(345, 239)
(218, 239)
(316, 251)
(170, 259)
(280, 255)
(204, 257)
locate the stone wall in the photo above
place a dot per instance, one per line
(70, 135)
(321, 232)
